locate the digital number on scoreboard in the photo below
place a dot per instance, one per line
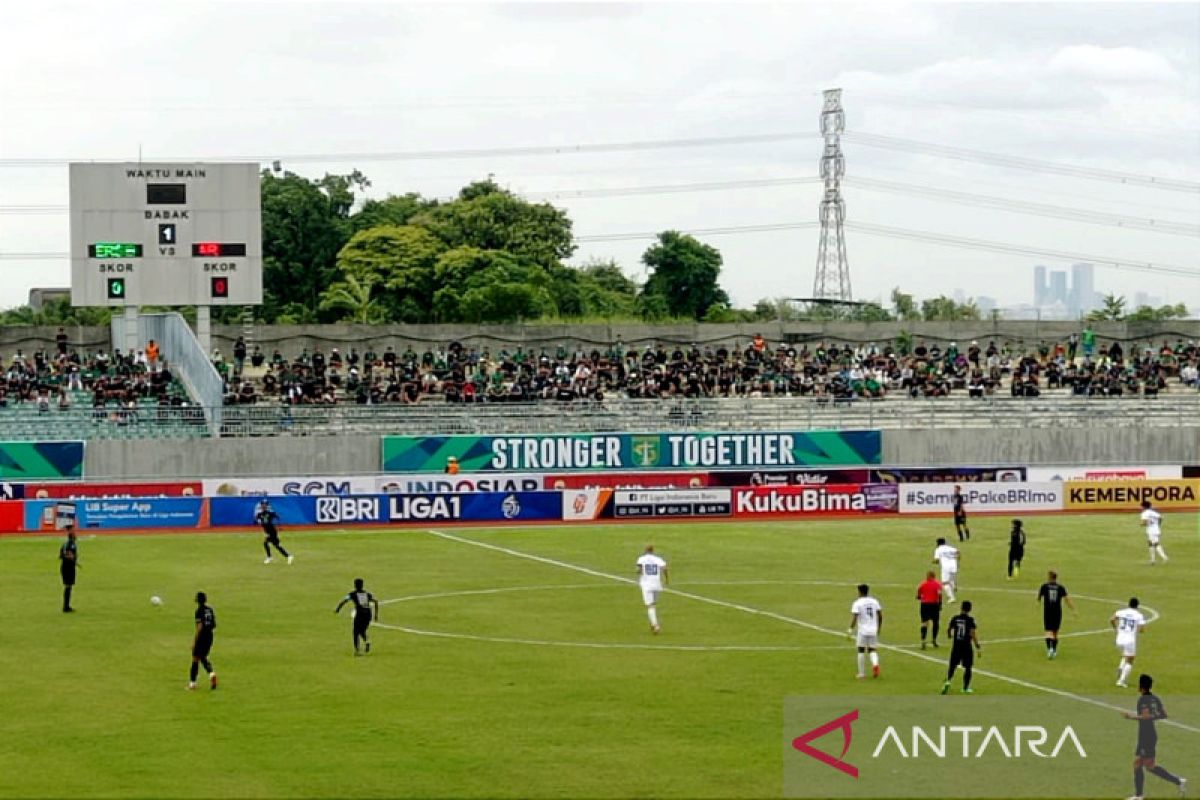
(173, 234)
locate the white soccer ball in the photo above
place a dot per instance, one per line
(155, 600)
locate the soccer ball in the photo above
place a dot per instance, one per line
(155, 600)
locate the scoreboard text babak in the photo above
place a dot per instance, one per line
(165, 234)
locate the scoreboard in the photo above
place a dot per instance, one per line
(169, 234)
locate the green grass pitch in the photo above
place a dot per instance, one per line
(94, 704)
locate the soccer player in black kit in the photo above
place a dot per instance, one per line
(960, 515)
(1149, 710)
(68, 560)
(1016, 549)
(1051, 595)
(265, 516)
(962, 633)
(206, 623)
(362, 600)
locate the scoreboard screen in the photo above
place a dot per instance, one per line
(165, 234)
(114, 250)
(218, 249)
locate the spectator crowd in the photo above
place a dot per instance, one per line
(116, 385)
(828, 372)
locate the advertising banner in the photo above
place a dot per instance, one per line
(923, 498)
(631, 451)
(426, 483)
(1128, 495)
(949, 475)
(1038, 474)
(115, 513)
(672, 503)
(11, 491)
(580, 505)
(301, 485)
(792, 501)
(35, 460)
(376, 509)
(790, 477)
(12, 516)
(75, 491)
(627, 480)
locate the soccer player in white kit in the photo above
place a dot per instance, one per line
(1128, 623)
(1152, 522)
(947, 556)
(652, 577)
(866, 617)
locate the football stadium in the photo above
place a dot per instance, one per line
(336, 461)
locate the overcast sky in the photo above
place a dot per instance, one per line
(1103, 86)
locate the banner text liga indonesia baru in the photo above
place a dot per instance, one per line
(631, 451)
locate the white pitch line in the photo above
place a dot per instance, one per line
(1153, 614)
(794, 621)
(694, 648)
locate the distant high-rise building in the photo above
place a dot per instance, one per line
(985, 304)
(1083, 289)
(1040, 287)
(1058, 288)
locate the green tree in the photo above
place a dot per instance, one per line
(354, 296)
(304, 226)
(488, 286)
(55, 312)
(487, 217)
(945, 309)
(1150, 314)
(392, 210)
(683, 275)
(1113, 310)
(400, 260)
(905, 306)
(597, 289)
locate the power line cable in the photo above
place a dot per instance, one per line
(864, 227)
(1019, 162)
(874, 184)
(428, 155)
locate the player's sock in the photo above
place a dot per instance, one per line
(1151, 554)
(1054, 646)
(267, 548)
(195, 671)
(1139, 781)
(1166, 776)
(1125, 670)
(652, 612)
(1162, 552)
(874, 659)
(66, 597)
(282, 551)
(924, 632)
(207, 665)
(966, 678)
(862, 664)
(968, 530)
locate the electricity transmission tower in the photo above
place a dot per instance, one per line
(832, 281)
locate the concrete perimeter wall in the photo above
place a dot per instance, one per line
(357, 455)
(291, 339)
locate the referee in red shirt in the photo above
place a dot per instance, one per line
(930, 595)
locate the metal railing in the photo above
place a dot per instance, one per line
(186, 358)
(1177, 409)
